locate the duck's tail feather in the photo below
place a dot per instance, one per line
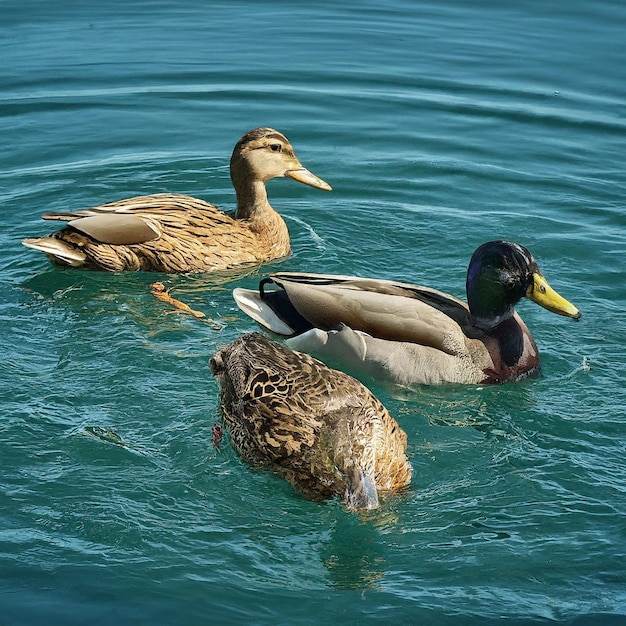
(58, 250)
(361, 493)
(355, 457)
(251, 303)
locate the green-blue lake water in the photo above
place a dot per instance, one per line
(439, 126)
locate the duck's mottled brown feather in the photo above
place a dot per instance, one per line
(319, 428)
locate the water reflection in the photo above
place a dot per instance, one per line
(353, 555)
(484, 408)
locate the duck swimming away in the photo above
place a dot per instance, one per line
(175, 233)
(408, 334)
(319, 428)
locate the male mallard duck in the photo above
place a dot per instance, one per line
(319, 428)
(408, 334)
(178, 233)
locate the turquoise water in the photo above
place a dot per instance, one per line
(440, 126)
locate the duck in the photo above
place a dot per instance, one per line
(406, 335)
(177, 233)
(318, 428)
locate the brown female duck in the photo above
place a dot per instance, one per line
(319, 428)
(409, 334)
(178, 233)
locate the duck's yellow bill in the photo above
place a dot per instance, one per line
(302, 175)
(541, 293)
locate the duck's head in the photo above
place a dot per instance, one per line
(499, 275)
(263, 154)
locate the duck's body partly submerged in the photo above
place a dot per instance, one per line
(179, 233)
(409, 334)
(319, 428)
(170, 233)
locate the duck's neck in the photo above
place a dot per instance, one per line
(488, 322)
(254, 209)
(490, 302)
(252, 200)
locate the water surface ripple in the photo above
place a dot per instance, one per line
(439, 126)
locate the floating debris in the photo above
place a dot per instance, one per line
(104, 434)
(159, 291)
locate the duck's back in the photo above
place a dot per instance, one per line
(319, 428)
(384, 309)
(164, 233)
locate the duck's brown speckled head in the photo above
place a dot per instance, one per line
(264, 153)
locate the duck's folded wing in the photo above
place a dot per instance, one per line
(384, 309)
(140, 219)
(117, 229)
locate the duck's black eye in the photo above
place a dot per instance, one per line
(276, 147)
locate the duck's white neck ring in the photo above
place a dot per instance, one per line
(489, 323)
